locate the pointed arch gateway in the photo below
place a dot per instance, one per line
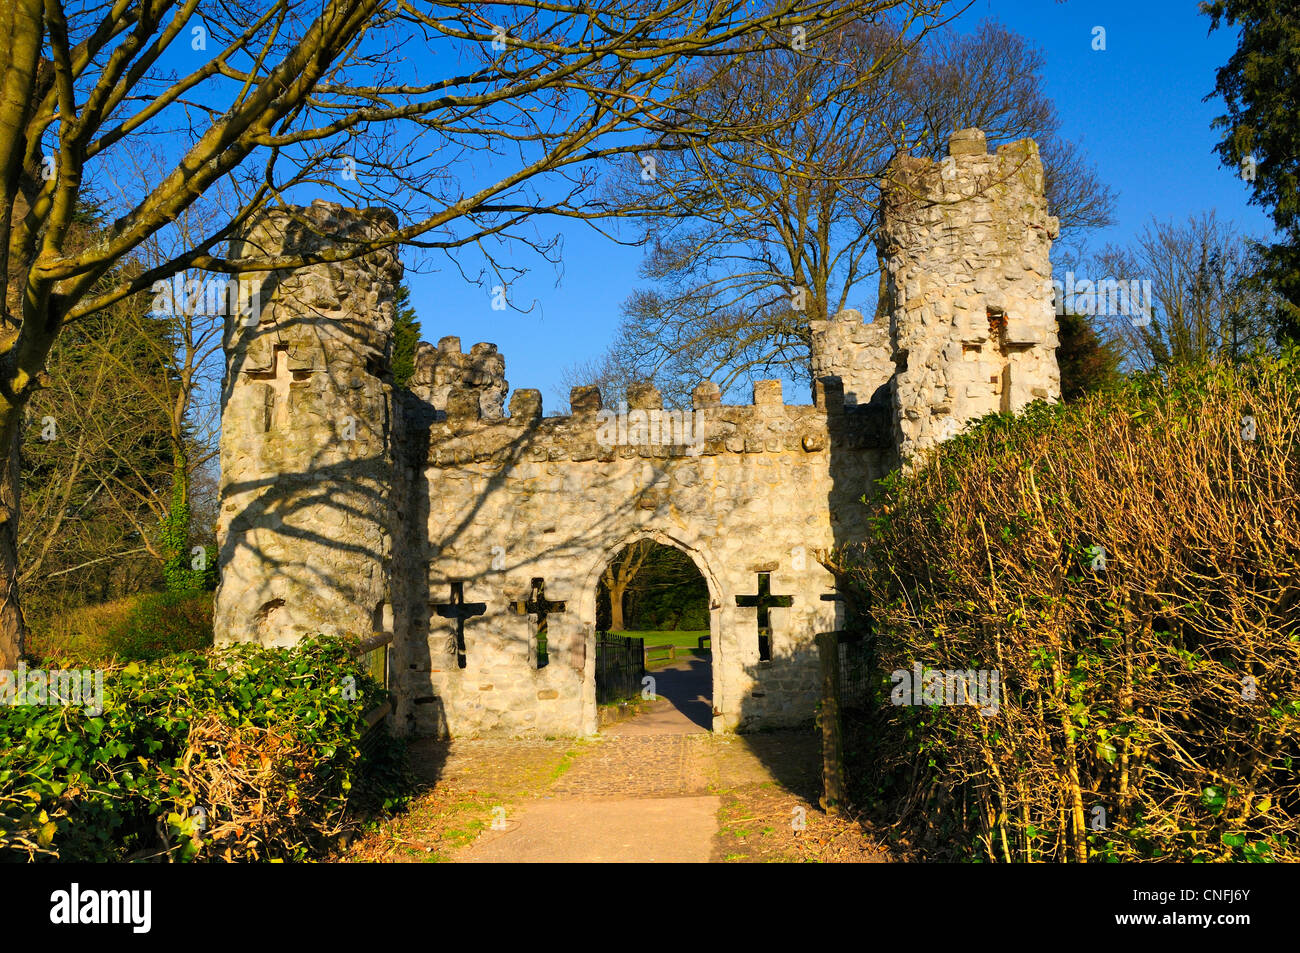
(705, 563)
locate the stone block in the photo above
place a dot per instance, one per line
(767, 394)
(462, 405)
(643, 396)
(584, 400)
(526, 405)
(706, 394)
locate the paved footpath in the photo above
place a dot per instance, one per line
(640, 794)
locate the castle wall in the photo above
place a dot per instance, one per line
(524, 497)
(433, 513)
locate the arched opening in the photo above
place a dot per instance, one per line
(653, 621)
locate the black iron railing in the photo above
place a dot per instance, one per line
(620, 666)
(854, 670)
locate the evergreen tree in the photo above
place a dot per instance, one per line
(1261, 138)
(1087, 363)
(406, 335)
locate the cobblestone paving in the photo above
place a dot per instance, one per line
(638, 766)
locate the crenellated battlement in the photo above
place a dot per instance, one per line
(642, 427)
(443, 370)
(860, 356)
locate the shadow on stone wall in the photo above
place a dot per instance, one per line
(492, 585)
(461, 554)
(334, 534)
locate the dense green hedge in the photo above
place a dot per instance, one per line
(1150, 699)
(264, 742)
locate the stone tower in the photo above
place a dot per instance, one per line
(306, 447)
(969, 287)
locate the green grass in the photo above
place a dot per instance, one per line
(136, 628)
(682, 637)
(633, 706)
(566, 762)
(685, 640)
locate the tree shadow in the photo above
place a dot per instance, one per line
(687, 686)
(388, 499)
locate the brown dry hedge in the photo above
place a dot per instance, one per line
(1129, 565)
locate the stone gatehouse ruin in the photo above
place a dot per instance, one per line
(455, 515)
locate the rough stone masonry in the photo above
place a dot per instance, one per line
(468, 524)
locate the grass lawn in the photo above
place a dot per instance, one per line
(683, 637)
(685, 640)
(141, 627)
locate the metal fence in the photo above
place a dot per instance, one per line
(373, 653)
(620, 666)
(854, 671)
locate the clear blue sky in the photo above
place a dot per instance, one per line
(1136, 108)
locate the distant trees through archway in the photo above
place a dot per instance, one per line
(652, 587)
(652, 616)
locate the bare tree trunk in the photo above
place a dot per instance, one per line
(13, 628)
(828, 651)
(25, 352)
(619, 575)
(616, 591)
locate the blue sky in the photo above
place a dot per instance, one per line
(1136, 107)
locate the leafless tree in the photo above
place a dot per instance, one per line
(760, 232)
(618, 575)
(641, 571)
(97, 474)
(471, 118)
(1197, 289)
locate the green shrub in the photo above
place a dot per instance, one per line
(132, 629)
(264, 741)
(163, 623)
(1150, 701)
